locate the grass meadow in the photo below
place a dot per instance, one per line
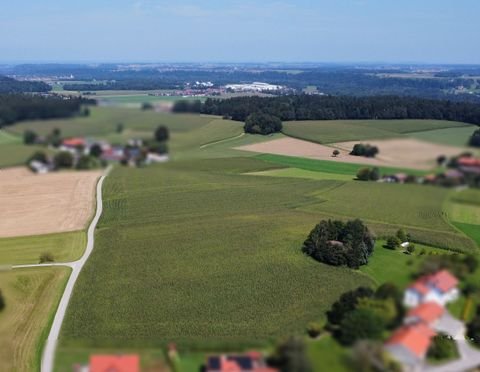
(31, 297)
(64, 247)
(331, 131)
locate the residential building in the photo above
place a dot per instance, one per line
(249, 362)
(440, 287)
(409, 344)
(111, 363)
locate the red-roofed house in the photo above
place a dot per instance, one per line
(249, 362)
(469, 161)
(428, 313)
(440, 287)
(74, 142)
(409, 344)
(114, 363)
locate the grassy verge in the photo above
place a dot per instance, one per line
(64, 247)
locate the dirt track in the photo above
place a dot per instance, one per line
(41, 204)
(402, 153)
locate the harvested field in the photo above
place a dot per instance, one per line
(406, 152)
(401, 153)
(42, 204)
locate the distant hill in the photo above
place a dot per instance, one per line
(9, 85)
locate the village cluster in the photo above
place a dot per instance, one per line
(84, 153)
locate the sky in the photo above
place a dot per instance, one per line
(397, 31)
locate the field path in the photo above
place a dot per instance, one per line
(222, 140)
(48, 356)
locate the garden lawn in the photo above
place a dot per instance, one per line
(327, 355)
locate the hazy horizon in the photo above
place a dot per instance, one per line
(232, 31)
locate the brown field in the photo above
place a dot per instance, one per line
(41, 204)
(402, 153)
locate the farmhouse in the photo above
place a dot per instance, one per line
(440, 287)
(409, 344)
(249, 362)
(74, 143)
(111, 363)
(428, 313)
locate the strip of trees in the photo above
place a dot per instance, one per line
(9, 85)
(18, 107)
(304, 107)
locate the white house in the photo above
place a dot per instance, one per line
(440, 287)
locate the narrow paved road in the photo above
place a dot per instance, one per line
(48, 356)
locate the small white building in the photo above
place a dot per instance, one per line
(440, 287)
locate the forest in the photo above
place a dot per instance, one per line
(9, 85)
(305, 107)
(18, 107)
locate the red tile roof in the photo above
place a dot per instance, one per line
(415, 338)
(442, 280)
(427, 312)
(468, 161)
(114, 363)
(74, 142)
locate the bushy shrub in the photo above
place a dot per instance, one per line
(46, 257)
(63, 159)
(442, 347)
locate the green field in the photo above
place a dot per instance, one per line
(245, 287)
(16, 154)
(463, 210)
(64, 247)
(8, 138)
(32, 296)
(448, 136)
(331, 131)
(329, 167)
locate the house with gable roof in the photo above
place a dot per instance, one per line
(440, 287)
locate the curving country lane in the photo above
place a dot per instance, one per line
(48, 356)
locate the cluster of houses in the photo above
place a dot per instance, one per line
(248, 362)
(132, 154)
(426, 299)
(466, 170)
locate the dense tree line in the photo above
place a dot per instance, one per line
(340, 243)
(304, 107)
(9, 85)
(17, 107)
(475, 139)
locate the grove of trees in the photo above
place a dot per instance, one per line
(17, 107)
(366, 150)
(259, 123)
(339, 243)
